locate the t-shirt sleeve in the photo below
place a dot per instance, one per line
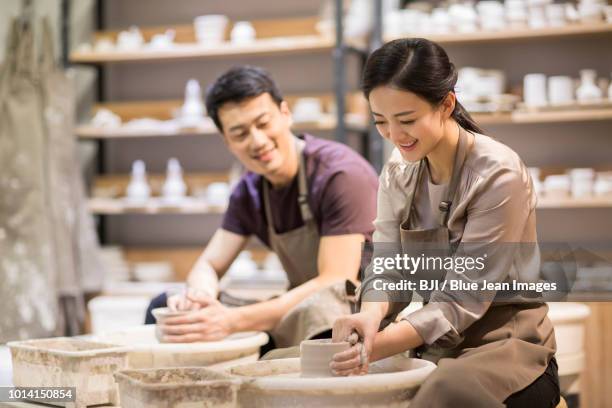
(348, 204)
(233, 219)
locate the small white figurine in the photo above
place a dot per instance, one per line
(193, 110)
(138, 190)
(174, 188)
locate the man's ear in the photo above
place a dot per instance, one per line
(286, 112)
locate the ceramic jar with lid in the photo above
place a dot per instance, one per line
(588, 91)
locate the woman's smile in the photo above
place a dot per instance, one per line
(408, 146)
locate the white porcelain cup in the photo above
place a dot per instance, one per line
(217, 194)
(608, 11)
(210, 29)
(582, 181)
(590, 12)
(555, 14)
(534, 90)
(243, 32)
(394, 23)
(560, 90)
(537, 17)
(557, 186)
(307, 110)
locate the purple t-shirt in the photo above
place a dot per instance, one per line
(341, 194)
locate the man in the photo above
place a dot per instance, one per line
(309, 200)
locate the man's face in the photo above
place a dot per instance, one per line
(258, 132)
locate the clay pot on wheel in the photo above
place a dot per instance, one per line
(315, 356)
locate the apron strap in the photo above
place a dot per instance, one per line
(303, 184)
(47, 61)
(410, 205)
(460, 155)
(9, 66)
(26, 61)
(302, 189)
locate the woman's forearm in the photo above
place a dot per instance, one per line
(396, 338)
(379, 309)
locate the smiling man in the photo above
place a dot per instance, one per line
(309, 200)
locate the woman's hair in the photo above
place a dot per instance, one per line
(419, 66)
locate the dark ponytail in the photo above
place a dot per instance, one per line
(419, 66)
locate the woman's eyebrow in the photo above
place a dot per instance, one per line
(396, 115)
(403, 113)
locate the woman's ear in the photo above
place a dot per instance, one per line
(448, 105)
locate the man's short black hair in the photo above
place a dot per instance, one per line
(238, 84)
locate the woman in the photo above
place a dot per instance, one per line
(449, 185)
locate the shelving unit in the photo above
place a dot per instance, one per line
(355, 119)
(274, 37)
(527, 34)
(569, 203)
(327, 123)
(118, 206)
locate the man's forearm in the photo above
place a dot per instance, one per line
(266, 315)
(203, 277)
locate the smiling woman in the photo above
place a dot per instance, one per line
(411, 92)
(445, 185)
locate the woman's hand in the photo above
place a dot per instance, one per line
(355, 360)
(212, 321)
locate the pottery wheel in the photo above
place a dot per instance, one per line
(277, 383)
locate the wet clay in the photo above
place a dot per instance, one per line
(316, 355)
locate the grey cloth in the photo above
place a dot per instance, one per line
(27, 273)
(76, 248)
(47, 239)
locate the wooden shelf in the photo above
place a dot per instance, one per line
(117, 206)
(495, 118)
(103, 206)
(569, 203)
(274, 37)
(570, 30)
(92, 132)
(113, 186)
(272, 46)
(558, 116)
(356, 119)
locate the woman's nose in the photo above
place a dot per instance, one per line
(395, 132)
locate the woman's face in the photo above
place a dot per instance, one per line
(407, 120)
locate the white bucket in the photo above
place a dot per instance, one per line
(112, 313)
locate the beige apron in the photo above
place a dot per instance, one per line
(501, 353)
(298, 251)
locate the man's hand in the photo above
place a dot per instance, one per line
(213, 321)
(180, 302)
